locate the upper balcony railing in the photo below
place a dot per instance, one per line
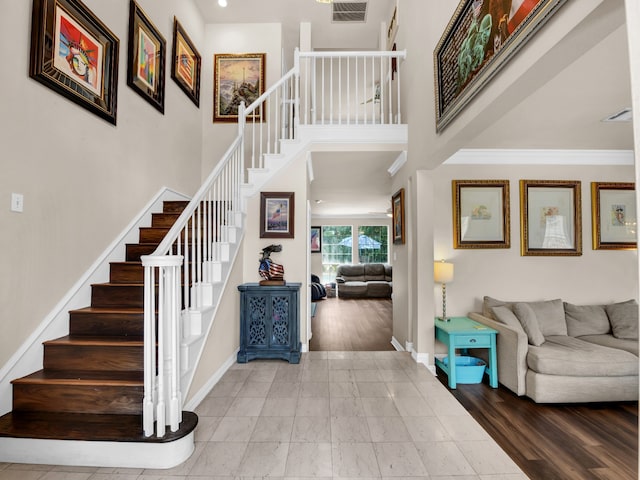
(322, 89)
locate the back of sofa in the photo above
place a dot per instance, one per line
(365, 272)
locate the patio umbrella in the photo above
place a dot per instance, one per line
(365, 242)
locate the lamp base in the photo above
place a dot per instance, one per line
(444, 319)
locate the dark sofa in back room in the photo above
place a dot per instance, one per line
(368, 280)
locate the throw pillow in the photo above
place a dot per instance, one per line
(505, 315)
(624, 320)
(489, 303)
(529, 321)
(586, 320)
(550, 315)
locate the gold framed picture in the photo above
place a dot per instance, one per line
(614, 219)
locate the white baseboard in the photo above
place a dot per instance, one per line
(397, 345)
(215, 378)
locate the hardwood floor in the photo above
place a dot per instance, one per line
(363, 324)
(565, 441)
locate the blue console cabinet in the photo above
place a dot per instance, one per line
(269, 322)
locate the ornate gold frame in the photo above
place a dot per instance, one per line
(552, 198)
(598, 228)
(496, 195)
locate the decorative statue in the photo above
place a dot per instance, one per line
(269, 270)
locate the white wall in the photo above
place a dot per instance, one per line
(233, 38)
(597, 276)
(83, 179)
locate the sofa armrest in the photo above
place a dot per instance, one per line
(340, 280)
(512, 346)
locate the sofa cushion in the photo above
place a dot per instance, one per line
(550, 315)
(377, 289)
(489, 303)
(529, 321)
(351, 271)
(570, 356)
(374, 271)
(388, 272)
(586, 320)
(352, 289)
(504, 315)
(624, 319)
(613, 342)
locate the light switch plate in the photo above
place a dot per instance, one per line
(17, 202)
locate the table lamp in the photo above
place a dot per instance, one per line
(443, 273)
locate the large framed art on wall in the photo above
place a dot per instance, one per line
(236, 78)
(614, 217)
(481, 37)
(75, 54)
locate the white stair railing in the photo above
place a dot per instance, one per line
(323, 88)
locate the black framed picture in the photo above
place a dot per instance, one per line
(186, 63)
(146, 59)
(75, 54)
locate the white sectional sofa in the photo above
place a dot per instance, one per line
(556, 352)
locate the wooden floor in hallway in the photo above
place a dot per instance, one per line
(348, 325)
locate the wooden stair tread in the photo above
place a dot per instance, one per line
(90, 427)
(86, 340)
(108, 310)
(75, 377)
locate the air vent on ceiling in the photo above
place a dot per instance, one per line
(349, 11)
(624, 115)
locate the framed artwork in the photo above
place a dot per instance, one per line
(316, 239)
(75, 54)
(146, 59)
(550, 217)
(397, 209)
(481, 37)
(481, 214)
(613, 216)
(236, 78)
(277, 214)
(186, 63)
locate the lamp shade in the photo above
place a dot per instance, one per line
(442, 272)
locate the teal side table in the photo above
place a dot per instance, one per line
(464, 333)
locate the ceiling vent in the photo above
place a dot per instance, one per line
(351, 12)
(624, 115)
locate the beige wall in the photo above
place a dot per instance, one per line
(233, 38)
(83, 179)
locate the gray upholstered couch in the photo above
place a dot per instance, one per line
(557, 352)
(367, 280)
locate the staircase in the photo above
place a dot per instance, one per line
(91, 384)
(120, 376)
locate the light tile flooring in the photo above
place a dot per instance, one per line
(362, 415)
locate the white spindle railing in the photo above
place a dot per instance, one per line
(323, 88)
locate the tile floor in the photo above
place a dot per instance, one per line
(362, 415)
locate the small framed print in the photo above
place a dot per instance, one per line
(146, 58)
(397, 209)
(550, 217)
(186, 63)
(613, 216)
(481, 214)
(277, 214)
(316, 239)
(75, 54)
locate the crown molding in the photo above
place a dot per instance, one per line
(471, 156)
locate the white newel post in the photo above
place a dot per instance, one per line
(162, 394)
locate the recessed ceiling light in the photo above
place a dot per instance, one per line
(222, 3)
(318, 201)
(624, 115)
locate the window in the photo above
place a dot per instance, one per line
(336, 249)
(373, 244)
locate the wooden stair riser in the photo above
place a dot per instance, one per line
(163, 219)
(106, 323)
(155, 235)
(133, 251)
(115, 295)
(126, 272)
(93, 357)
(97, 399)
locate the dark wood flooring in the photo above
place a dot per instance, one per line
(593, 441)
(345, 325)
